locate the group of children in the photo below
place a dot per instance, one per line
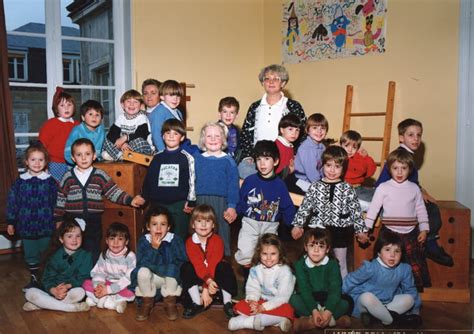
(196, 188)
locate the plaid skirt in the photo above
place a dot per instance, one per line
(413, 254)
(138, 145)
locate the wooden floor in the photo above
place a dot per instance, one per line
(13, 276)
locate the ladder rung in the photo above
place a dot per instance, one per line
(378, 164)
(363, 114)
(372, 138)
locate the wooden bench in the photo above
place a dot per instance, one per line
(449, 284)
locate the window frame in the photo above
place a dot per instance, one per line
(15, 77)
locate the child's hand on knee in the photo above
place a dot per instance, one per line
(212, 286)
(326, 316)
(206, 297)
(317, 318)
(100, 291)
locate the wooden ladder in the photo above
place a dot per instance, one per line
(388, 114)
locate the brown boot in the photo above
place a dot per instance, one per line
(302, 324)
(144, 310)
(170, 307)
(343, 322)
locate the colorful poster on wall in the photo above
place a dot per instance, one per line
(328, 29)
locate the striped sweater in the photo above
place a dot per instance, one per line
(85, 200)
(115, 268)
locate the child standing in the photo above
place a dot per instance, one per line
(81, 193)
(268, 289)
(404, 213)
(30, 208)
(264, 199)
(151, 94)
(54, 133)
(108, 287)
(308, 158)
(383, 288)
(289, 132)
(332, 203)
(217, 179)
(65, 270)
(170, 180)
(92, 114)
(409, 135)
(206, 268)
(130, 131)
(160, 255)
(170, 96)
(319, 301)
(228, 111)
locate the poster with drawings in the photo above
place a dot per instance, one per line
(329, 29)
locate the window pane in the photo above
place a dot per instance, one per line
(95, 61)
(20, 13)
(94, 20)
(29, 53)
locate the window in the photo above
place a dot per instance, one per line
(81, 45)
(17, 66)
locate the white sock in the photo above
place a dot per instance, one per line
(269, 320)
(341, 256)
(226, 297)
(195, 295)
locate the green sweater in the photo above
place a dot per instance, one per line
(320, 278)
(60, 270)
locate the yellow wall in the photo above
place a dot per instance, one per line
(215, 44)
(421, 57)
(220, 46)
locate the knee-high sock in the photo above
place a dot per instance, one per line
(369, 302)
(401, 303)
(341, 256)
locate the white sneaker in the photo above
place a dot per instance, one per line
(243, 321)
(121, 306)
(30, 307)
(90, 302)
(101, 302)
(110, 303)
(82, 307)
(285, 325)
(106, 156)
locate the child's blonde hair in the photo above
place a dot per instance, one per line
(315, 120)
(202, 137)
(351, 135)
(203, 211)
(171, 87)
(131, 94)
(270, 239)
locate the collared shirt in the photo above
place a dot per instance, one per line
(83, 176)
(267, 118)
(42, 176)
(175, 112)
(311, 264)
(65, 120)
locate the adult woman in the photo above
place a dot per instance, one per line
(263, 116)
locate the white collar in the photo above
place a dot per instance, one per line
(407, 148)
(168, 237)
(166, 106)
(42, 176)
(87, 171)
(381, 263)
(311, 264)
(280, 101)
(284, 141)
(66, 120)
(150, 110)
(207, 155)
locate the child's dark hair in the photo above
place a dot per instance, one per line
(351, 135)
(386, 237)
(37, 146)
(92, 104)
(60, 95)
(338, 154)
(117, 229)
(204, 211)
(175, 125)
(68, 224)
(406, 123)
(402, 156)
(155, 211)
(266, 148)
(171, 87)
(82, 141)
(228, 101)
(315, 120)
(151, 82)
(269, 239)
(131, 94)
(319, 236)
(290, 120)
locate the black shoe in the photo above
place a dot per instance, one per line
(439, 256)
(33, 284)
(229, 310)
(410, 320)
(193, 310)
(367, 319)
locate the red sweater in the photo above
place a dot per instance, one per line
(287, 154)
(359, 168)
(212, 256)
(54, 134)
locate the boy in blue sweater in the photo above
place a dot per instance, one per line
(264, 198)
(409, 134)
(170, 180)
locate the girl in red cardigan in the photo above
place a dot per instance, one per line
(206, 274)
(55, 132)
